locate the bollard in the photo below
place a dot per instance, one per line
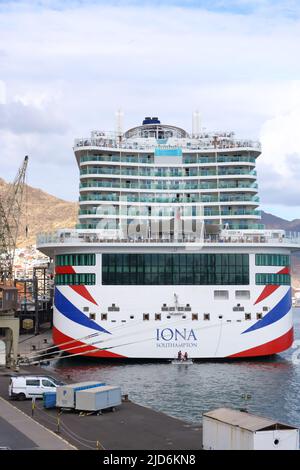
(32, 406)
(98, 445)
(58, 424)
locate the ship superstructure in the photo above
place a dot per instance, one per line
(169, 252)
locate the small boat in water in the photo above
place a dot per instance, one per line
(182, 361)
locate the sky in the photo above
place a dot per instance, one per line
(67, 66)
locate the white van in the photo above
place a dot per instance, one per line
(28, 386)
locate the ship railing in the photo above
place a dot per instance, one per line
(71, 238)
(200, 145)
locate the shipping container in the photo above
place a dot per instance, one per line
(226, 429)
(98, 398)
(66, 394)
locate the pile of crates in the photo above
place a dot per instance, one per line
(88, 396)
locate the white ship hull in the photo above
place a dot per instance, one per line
(127, 335)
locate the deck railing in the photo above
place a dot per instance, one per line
(260, 238)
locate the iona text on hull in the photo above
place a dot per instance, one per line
(169, 252)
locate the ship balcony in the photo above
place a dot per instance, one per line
(210, 201)
(192, 198)
(148, 173)
(168, 211)
(148, 163)
(156, 185)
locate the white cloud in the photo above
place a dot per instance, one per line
(2, 92)
(279, 166)
(66, 71)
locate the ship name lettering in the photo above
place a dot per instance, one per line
(169, 334)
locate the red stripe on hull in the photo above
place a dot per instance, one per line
(82, 290)
(64, 270)
(268, 290)
(59, 338)
(272, 347)
(285, 270)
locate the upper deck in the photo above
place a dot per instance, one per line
(261, 239)
(204, 142)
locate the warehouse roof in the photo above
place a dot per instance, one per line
(245, 420)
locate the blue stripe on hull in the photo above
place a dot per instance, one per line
(280, 310)
(69, 310)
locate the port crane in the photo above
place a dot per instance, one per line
(10, 212)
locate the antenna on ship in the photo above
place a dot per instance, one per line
(196, 127)
(119, 124)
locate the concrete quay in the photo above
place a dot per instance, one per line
(130, 427)
(20, 432)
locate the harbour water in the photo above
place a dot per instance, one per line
(186, 392)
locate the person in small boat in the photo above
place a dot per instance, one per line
(185, 356)
(179, 356)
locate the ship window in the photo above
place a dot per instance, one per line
(146, 316)
(157, 316)
(175, 269)
(168, 316)
(183, 316)
(103, 316)
(221, 294)
(78, 259)
(259, 316)
(272, 278)
(92, 316)
(242, 294)
(75, 279)
(195, 316)
(131, 317)
(272, 260)
(247, 316)
(265, 309)
(206, 316)
(86, 309)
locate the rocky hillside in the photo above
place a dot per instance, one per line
(272, 221)
(42, 213)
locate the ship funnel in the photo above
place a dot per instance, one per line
(196, 128)
(119, 122)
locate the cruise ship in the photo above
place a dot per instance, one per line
(169, 253)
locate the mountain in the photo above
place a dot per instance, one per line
(272, 221)
(42, 212)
